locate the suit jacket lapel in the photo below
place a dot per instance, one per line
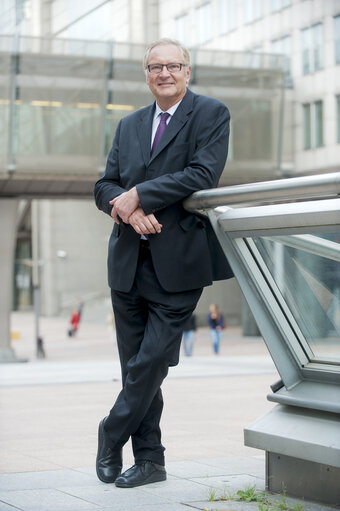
(177, 122)
(144, 129)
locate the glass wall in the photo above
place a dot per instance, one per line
(56, 114)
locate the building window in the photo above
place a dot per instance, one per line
(226, 15)
(307, 140)
(312, 48)
(203, 25)
(277, 5)
(318, 123)
(337, 38)
(182, 29)
(283, 46)
(338, 117)
(252, 10)
(313, 125)
(15, 15)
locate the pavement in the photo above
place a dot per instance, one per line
(50, 409)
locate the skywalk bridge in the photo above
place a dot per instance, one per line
(61, 100)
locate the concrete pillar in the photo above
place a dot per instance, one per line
(8, 219)
(144, 21)
(45, 18)
(151, 20)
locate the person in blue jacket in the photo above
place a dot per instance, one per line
(216, 323)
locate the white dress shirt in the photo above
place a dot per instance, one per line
(157, 117)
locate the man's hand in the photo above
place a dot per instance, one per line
(114, 214)
(144, 224)
(124, 205)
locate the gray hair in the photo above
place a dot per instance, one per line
(163, 42)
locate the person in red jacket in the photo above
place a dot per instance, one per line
(74, 322)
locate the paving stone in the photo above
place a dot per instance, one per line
(47, 479)
(233, 505)
(87, 470)
(227, 506)
(107, 495)
(44, 500)
(189, 469)
(253, 465)
(7, 507)
(147, 507)
(231, 483)
(178, 490)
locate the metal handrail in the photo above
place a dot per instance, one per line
(317, 186)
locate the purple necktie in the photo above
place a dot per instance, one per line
(160, 130)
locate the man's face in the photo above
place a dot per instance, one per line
(168, 88)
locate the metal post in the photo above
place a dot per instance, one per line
(35, 268)
(12, 112)
(106, 98)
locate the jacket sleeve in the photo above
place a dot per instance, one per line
(204, 169)
(108, 187)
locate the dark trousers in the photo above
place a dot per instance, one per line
(149, 325)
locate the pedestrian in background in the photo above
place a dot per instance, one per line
(75, 320)
(189, 335)
(74, 323)
(216, 323)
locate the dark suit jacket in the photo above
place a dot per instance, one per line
(189, 157)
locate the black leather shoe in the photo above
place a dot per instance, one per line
(145, 472)
(109, 462)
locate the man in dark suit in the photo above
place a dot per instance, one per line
(160, 255)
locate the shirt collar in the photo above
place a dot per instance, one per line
(170, 110)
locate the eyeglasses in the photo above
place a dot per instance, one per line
(174, 67)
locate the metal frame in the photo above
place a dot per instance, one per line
(307, 383)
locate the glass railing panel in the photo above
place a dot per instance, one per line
(51, 127)
(3, 129)
(306, 270)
